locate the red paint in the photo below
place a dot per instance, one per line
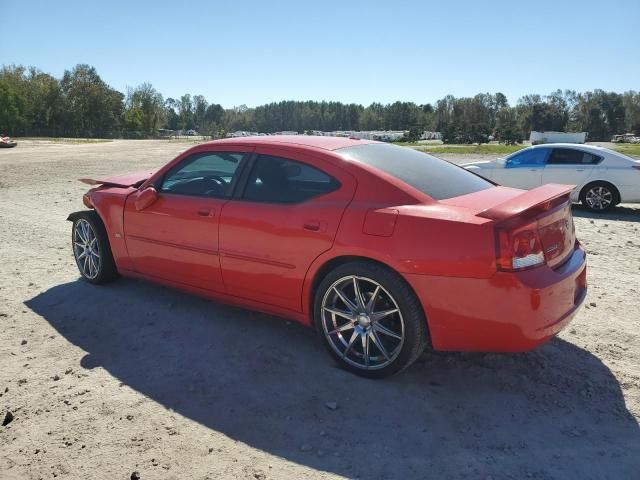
(266, 256)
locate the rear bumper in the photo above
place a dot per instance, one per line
(630, 193)
(508, 312)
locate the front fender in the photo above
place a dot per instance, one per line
(109, 205)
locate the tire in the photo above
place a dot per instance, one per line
(599, 196)
(91, 249)
(395, 319)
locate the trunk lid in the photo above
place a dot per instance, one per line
(546, 209)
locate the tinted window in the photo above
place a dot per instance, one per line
(437, 178)
(567, 156)
(279, 180)
(203, 174)
(532, 157)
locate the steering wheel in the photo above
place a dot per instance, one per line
(218, 183)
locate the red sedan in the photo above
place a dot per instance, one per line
(383, 249)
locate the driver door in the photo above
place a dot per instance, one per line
(176, 237)
(523, 169)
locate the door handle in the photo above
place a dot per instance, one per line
(312, 226)
(579, 169)
(315, 225)
(205, 212)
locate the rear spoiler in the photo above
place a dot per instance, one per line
(541, 198)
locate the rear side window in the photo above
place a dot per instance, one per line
(528, 158)
(567, 156)
(437, 178)
(280, 180)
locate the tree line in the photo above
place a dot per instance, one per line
(81, 104)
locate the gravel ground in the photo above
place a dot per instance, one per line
(102, 382)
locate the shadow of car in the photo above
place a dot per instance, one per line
(556, 412)
(624, 213)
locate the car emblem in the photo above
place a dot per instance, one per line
(552, 248)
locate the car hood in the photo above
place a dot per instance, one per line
(485, 164)
(126, 180)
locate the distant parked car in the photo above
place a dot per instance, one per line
(603, 178)
(6, 142)
(626, 138)
(191, 133)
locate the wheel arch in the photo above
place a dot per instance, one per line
(75, 215)
(112, 227)
(329, 265)
(320, 270)
(94, 213)
(108, 270)
(590, 183)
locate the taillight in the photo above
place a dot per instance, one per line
(520, 248)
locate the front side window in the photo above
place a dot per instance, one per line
(280, 180)
(205, 174)
(536, 157)
(567, 156)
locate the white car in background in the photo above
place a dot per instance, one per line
(603, 178)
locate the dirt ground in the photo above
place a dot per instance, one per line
(132, 377)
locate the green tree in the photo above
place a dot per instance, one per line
(631, 103)
(507, 130)
(601, 114)
(91, 107)
(144, 111)
(185, 112)
(199, 111)
(13, 101)
(171, 114)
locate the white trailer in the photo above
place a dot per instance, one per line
(557, 137)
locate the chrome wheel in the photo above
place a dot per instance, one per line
(85, 249)
(599, 197)
(362, 322)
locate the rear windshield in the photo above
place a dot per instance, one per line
(437, 178)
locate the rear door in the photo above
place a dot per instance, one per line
(570, 166)
(523, 169)
(286, 216)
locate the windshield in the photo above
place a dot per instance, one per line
(437, 178)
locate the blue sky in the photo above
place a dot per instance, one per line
(251, 53)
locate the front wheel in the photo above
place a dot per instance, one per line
(91, 249)
(370, 319)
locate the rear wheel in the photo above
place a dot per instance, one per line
(370, 319)
(599, 196)
(91, 249)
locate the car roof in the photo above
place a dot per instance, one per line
(314, 141)
(595, 148)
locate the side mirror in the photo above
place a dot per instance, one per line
(145, 198)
